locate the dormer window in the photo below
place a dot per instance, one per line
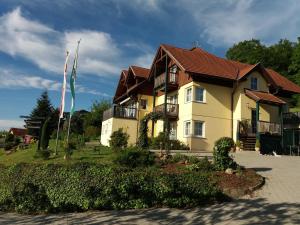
(253, 83)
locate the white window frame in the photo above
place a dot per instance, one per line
(186, 95)
(203, 128)
(203, 95)
(184, 128)
(254, 78)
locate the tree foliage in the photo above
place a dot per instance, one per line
(94, 118)
(45, 109)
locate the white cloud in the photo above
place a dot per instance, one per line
(46, 47)
(12, 80)
(7, 124)
(226, 22)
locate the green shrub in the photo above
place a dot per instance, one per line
(78, 187)
(222, 160)
(160, 141)
(118, 139)
(202, 165)
(178, 158)
(9, 146)
(9, 138)
(134, 157)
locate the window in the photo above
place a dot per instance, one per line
(188, 94)
(172, 76)
(143, 103)
(199, 94)
(253, 83)
(199, 128)
(187, 128)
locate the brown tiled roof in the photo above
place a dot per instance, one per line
(200, 62)
(18, 132)
(263, 97)
(140, 71)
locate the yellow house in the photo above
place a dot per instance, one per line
(204, 97)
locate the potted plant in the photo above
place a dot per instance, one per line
(257, 145)
(238, 145)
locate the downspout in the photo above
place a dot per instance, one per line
(235, 85)
(154, 96)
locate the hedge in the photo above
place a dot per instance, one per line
(28, 188)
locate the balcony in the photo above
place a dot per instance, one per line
(120, 112)
(172, 109)
(249, 128)
(172, 81)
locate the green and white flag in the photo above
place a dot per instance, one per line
(73, 81)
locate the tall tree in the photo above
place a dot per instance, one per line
(44, 109)
(248, 51)
(294, 67)
(280, 56)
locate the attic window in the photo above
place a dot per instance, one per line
(253, 83)
(173, 71)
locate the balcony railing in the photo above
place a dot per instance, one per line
(160, 80)
(291, 118)
(172, 109)
(248, 127)
(120, 112)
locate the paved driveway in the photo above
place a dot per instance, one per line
(277, 203)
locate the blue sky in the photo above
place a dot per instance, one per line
(115, 34)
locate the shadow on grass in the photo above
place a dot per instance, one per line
(246, 211)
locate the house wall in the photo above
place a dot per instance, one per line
(242, 104)
(113, 124)
(215, 113)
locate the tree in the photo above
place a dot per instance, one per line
(248, 51)
(294, 67)
(94, 118)
(280, 56)
(43, 109)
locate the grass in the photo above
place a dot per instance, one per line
(103, 155)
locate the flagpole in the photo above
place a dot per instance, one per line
(62, 103)
(72, 87)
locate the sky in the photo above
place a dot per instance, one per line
(35, 35)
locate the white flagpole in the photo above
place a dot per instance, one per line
(62, 104)
(74, 70)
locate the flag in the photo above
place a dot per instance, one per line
(63, 89)
(73, 80)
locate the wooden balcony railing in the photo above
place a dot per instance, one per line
(249, 128)
(120, 112)
(160, 80)
(172, 109)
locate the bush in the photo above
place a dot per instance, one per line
(222, 160)
(79, 187)
(9, 146)
(160, 142)
(118, 139)
(202, 165)
(179, 158)
(134, 157)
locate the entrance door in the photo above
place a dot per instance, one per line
(253, 120)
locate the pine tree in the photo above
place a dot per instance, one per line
(43, 109)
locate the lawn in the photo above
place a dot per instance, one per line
(88, 153)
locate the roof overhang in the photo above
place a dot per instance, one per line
(264, 97)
